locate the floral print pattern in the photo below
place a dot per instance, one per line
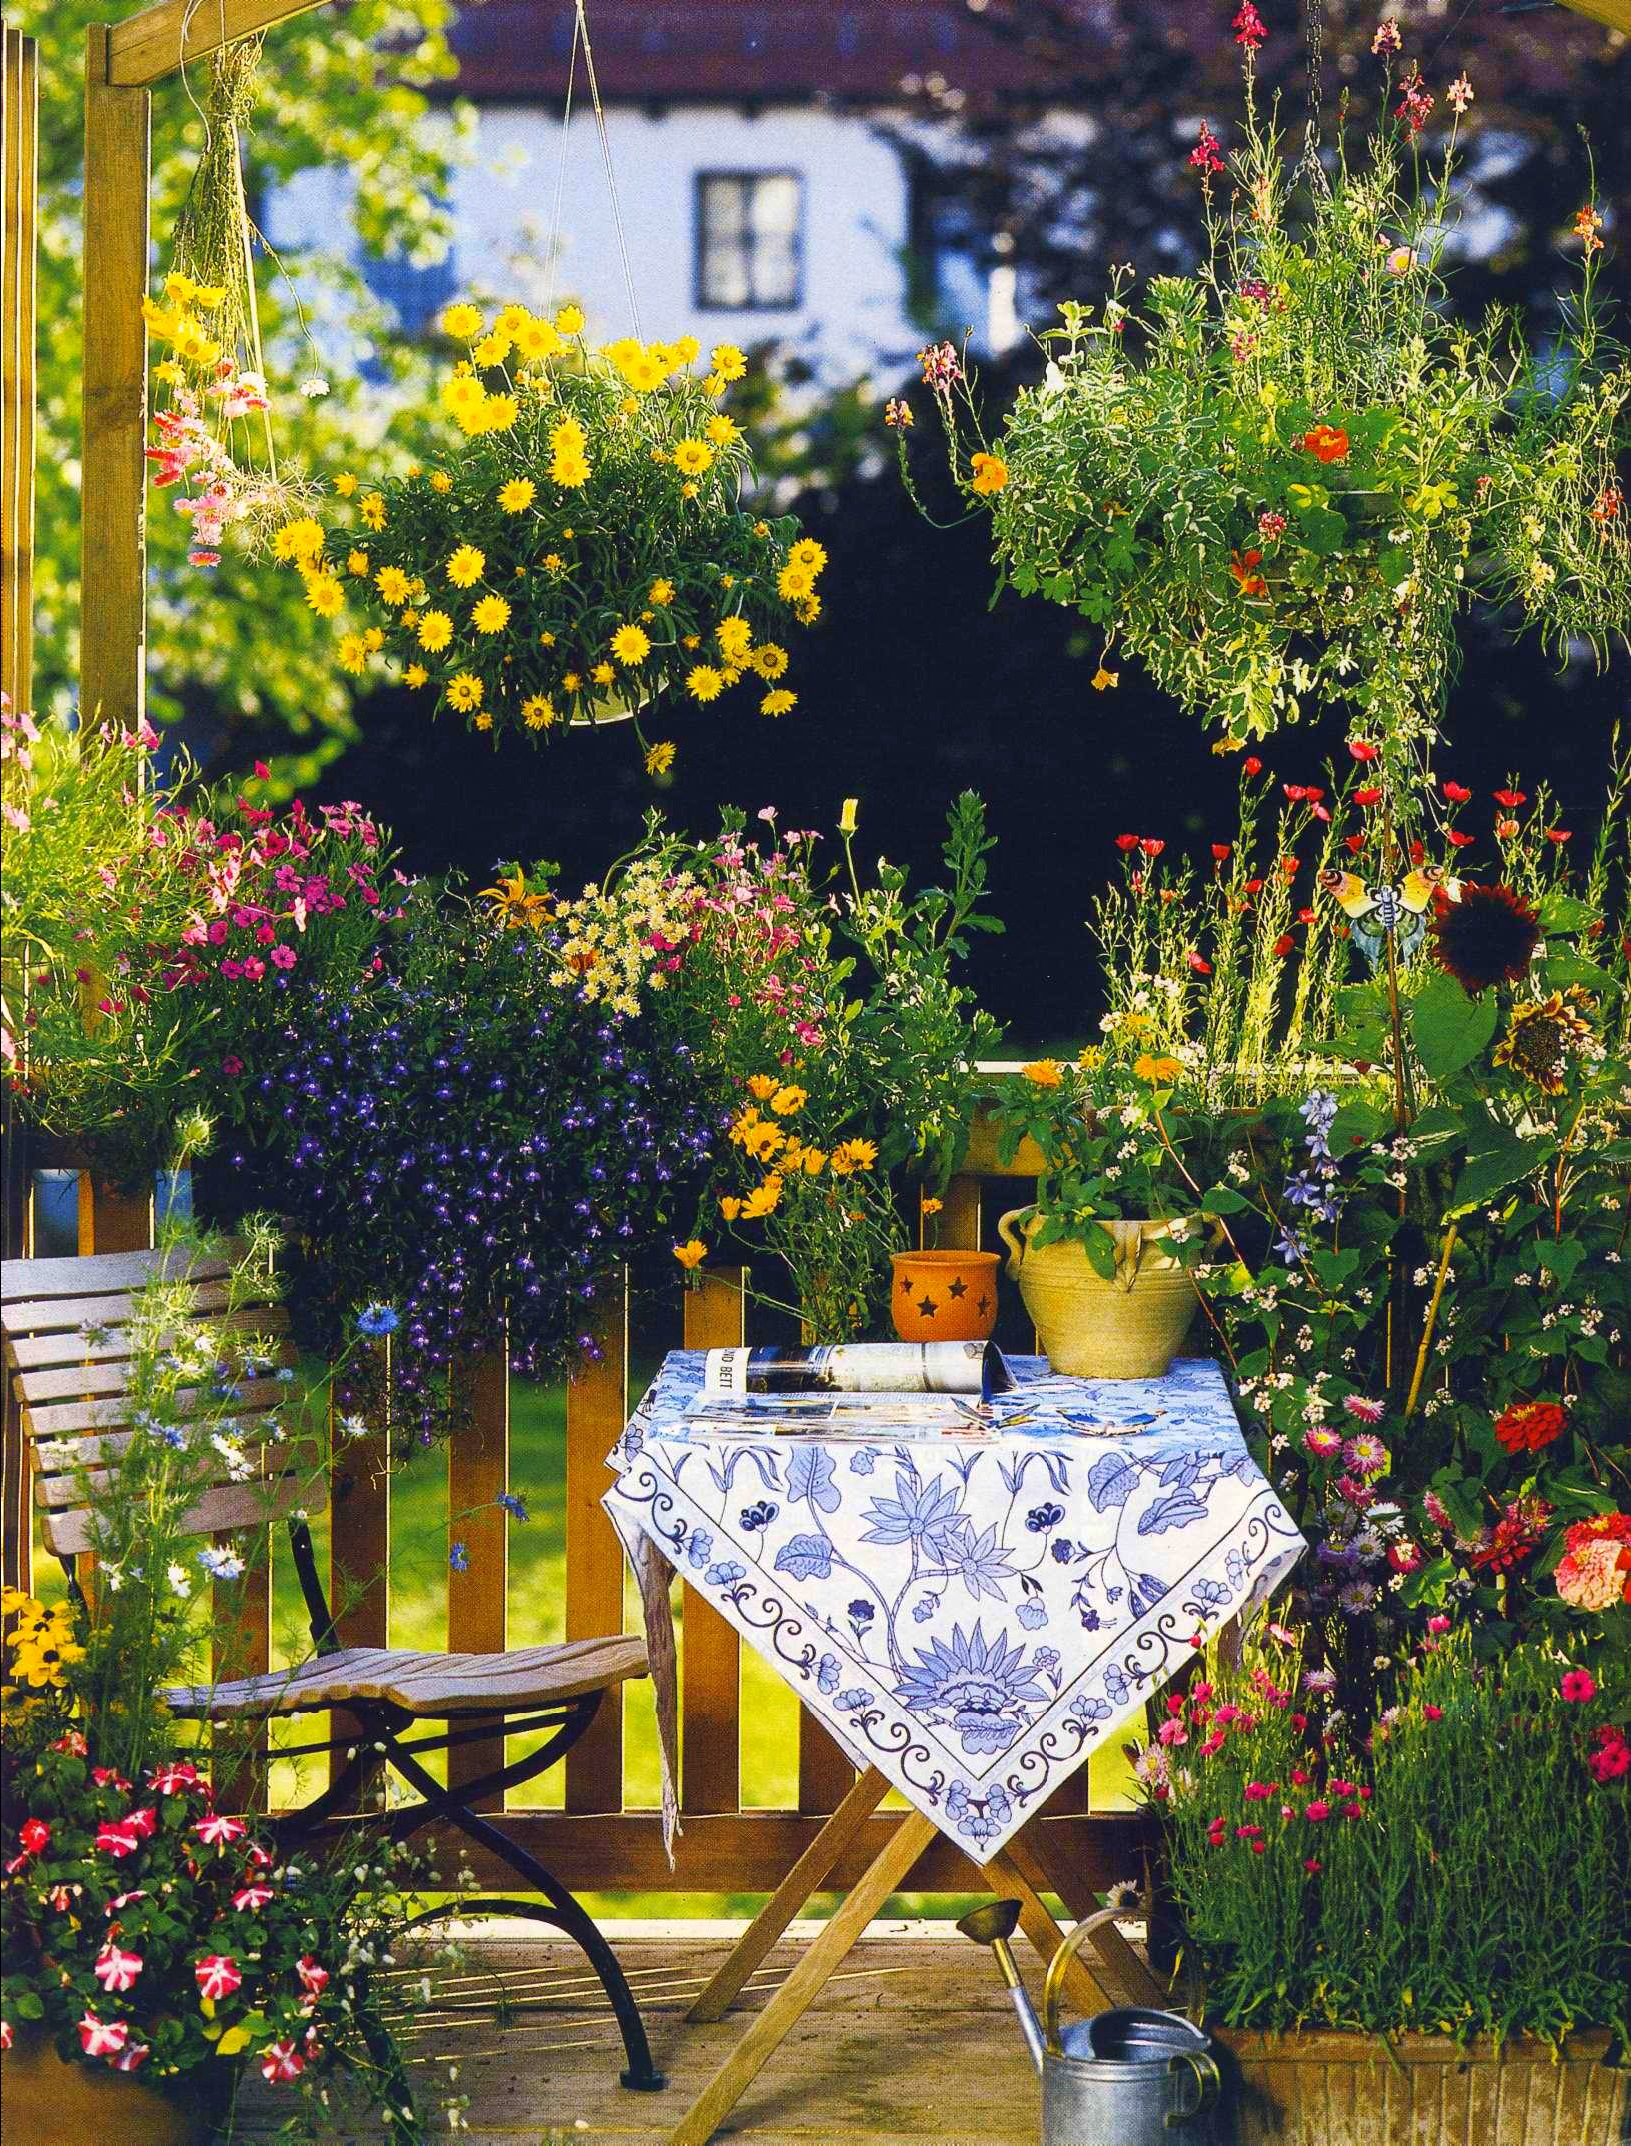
(973, 1616)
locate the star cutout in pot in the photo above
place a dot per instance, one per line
(926, 1306)
(959, 1288)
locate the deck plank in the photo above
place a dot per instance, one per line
(912, 2042)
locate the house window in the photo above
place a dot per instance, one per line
(750, 240)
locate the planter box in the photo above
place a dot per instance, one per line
(1325, 2088)
(50, 2103)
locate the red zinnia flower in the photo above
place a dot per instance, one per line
(1528, 1425)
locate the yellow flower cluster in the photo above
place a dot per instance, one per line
(41, 1645)
(177, 323)
(780, 1151)
(614, 941)
(796, 583)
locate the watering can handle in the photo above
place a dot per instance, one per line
(1059, 1966)
(1208, 2084)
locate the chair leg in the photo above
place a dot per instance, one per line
(568, 1915)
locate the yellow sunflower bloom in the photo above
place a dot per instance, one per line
(769, 660)
(794, 583)
(462, 322)
(393, 585)
(722, 430)
(692, 457)
(728, 362)
(538, 711)
(808, 553)
(324, 594)
(372, 510)
(353, 652)
(493, 349)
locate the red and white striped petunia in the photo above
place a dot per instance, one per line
(102, 2037)
(220, 1829)
(117, 1840)
(116, 1970)
(143, 1823)
(313, 1977)
(175, 1779)
(281, 2063)
(217, 1976)
(251, 1898)
(133, 2054)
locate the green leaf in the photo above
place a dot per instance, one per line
(1492, 1169)
(1565, 967)
(1100, 1247)
(1451, 1029)
(1223, 1200)
(1564, 912)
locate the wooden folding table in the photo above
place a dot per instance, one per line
(1014, 1873)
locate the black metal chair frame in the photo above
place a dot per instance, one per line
(378, 1740)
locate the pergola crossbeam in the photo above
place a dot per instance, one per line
(145, 48)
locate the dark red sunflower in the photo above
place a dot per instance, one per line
(1487, 936)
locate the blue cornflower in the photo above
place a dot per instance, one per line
(459, 1557)
(377, 1320)
(514, 1504)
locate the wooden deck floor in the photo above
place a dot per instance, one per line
(913, 2042)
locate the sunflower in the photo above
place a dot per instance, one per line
(1488, 936)
(1542, 1037)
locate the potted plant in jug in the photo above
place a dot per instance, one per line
(1106, 1253)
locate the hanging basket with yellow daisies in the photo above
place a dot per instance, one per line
(571, 545)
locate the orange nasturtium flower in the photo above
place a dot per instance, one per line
(1044, 1072)
(990, 473)
(1326, 443)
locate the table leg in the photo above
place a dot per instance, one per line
(815, 1966)
(1009, 1880)
(807, 1876)
(1133, 1982)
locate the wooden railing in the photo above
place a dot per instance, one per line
(598, 1842)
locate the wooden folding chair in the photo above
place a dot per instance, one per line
(66, 1328)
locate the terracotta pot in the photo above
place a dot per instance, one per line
(50, 2103)
(944, 1296)
(1327, 2088)
(1127, 1327)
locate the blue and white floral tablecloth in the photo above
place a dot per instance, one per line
(971, 1617)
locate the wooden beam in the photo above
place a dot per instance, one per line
(478, 1469)
(19, 160)
(147, 47)
(114, 483)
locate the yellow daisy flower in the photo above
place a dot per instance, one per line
(373, 639)
(662, 592)
(345, 484)
(728, 362)
(569, 320)
(692, 457)
(435, 631)
(789, 1101)
(778, 701)
(538, 711)
(493, 349)
(695, 1252)
(603, 674)
(356, 562)
(484, 721)
(535, 340)
(660, 758)
(415, 675)
(393, 585)
(722, 430)
(353, 652)
(301, 539)
(466, 566)
(769, 660)
(462, 322)
(491, 615)
(794, 583)
(516, 496)
(571, 682)
(808, 553)
(735, 638)
(440, 481)
(703, 682)
(324, 594)
(631, 645)
(372, 510)
(499, 413)
(763, 1199)
(464, 690)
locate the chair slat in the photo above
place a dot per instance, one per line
(107, 1273)
(430, 1684)
(88, 1381)
(61, 1456)
(58, 1419)
(217, 1512)
(41, 1352)
(42, 1315)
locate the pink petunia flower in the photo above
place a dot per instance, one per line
(281, 2063)
(219, 1829)
(217, 1976)
(116, 1970)
(102, 2037)
(1579, 1687)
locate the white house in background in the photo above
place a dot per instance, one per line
(760, 197)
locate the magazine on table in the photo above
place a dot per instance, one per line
(862, 1390)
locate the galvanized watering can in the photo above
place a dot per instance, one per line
(1130, 2077)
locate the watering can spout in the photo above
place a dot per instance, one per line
(994, 1924)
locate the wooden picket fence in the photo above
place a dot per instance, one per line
(599, 1842)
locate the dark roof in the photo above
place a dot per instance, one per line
(671, 50)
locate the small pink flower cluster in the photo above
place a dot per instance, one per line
(262, 885)
(752, 918)
(190, 453)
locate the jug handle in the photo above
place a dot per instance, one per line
(1208, 2084)
(1011, 1237)
(1058, 1967)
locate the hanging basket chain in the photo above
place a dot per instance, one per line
(606, 155)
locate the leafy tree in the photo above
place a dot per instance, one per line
(234, 653)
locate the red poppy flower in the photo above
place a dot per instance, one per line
(1363, 751)
(1457, 793)
(1126, 841)
(1201, 968)
(1254, 886)
(1284, 945)
(1506, 829)
(1152, 846)
(1512, 799)
(1220, 850)
(1353, 844)
(1367, 797)
(1252, 765)
(1458, 840)
(1326, 443)
(1559, 834)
